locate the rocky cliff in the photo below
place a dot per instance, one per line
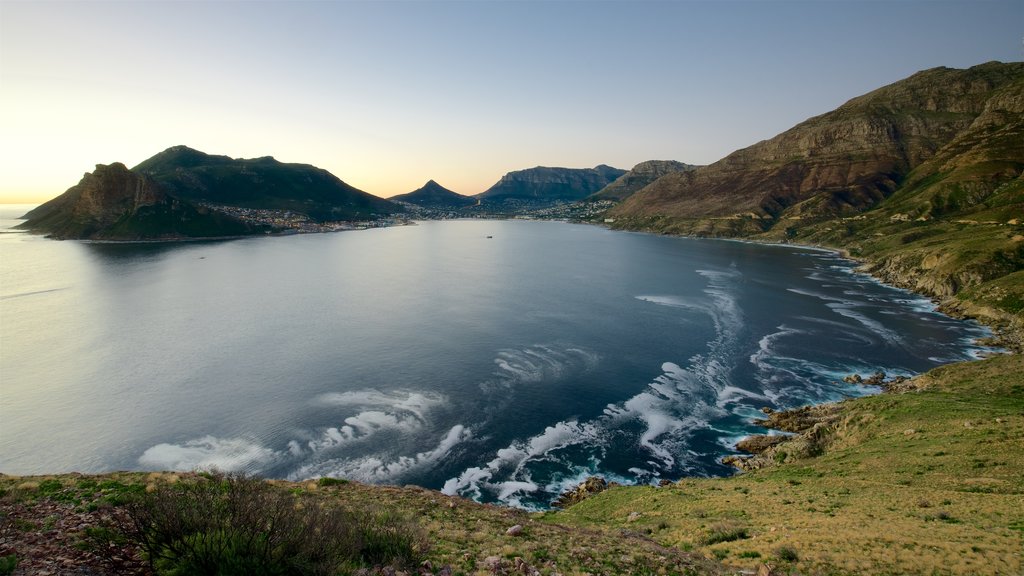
(116, 203)
(433, 195)
(641, 175)
(544, 185)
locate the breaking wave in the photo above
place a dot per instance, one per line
(656, 422)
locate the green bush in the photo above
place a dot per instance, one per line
(227, 525)
(8, 564)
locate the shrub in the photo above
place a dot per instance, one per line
(239, 525)
(325, 481)
(8, 564)
(786, 554)
(724, 533)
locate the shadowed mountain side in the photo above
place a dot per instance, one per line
(115, 203)
(433, 195)
(543, 185)
(262, 183)
(641, 175)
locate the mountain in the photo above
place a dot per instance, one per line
(115, 203)
(641, 175)
(262, 183)
(433, 195)
(544, 186)
(923, 180)
(836, 164)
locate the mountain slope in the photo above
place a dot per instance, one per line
(922, 179)
(545, 185)
(433, 195)
(639, 176)
(836, 164)
(261, 183)
(115, 203)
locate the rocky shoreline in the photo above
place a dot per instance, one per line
(808, 431)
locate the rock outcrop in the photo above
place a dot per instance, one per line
(589, 487)
(640, 176)
(115, 203)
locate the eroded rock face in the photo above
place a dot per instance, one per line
(102, 197)
(115, 203)
(640, 176)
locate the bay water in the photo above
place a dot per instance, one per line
(500, 360)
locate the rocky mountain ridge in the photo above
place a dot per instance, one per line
(836, 164)
(545, 185)
(638, 177)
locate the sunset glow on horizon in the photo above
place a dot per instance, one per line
(387, 96)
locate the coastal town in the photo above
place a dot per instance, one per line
(291, 222)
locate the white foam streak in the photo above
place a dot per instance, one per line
(206, 453)
(376, 469)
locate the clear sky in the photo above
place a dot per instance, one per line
(387, 95)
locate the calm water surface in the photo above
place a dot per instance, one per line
(505, 368)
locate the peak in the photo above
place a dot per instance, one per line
(181, 149)
(112, 167)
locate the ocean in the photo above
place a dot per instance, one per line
(504, 361)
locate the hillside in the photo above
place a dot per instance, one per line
(433, 195)
(638, 177)
(262, 183)
(929, 481)
(544, 186)
(115, 203)
(922, 179)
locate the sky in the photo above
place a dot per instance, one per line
(388, 95)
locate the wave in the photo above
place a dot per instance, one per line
(207, 453)
(536, 364)
(377, 469)
(675, 404)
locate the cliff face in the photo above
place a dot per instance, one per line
(116, 203)
(544, 185)
(836, 164)
(433, 195)
(641, 175)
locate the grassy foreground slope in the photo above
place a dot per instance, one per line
(73, 524)
(925, 482)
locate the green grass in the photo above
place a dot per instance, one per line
(857, 508)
